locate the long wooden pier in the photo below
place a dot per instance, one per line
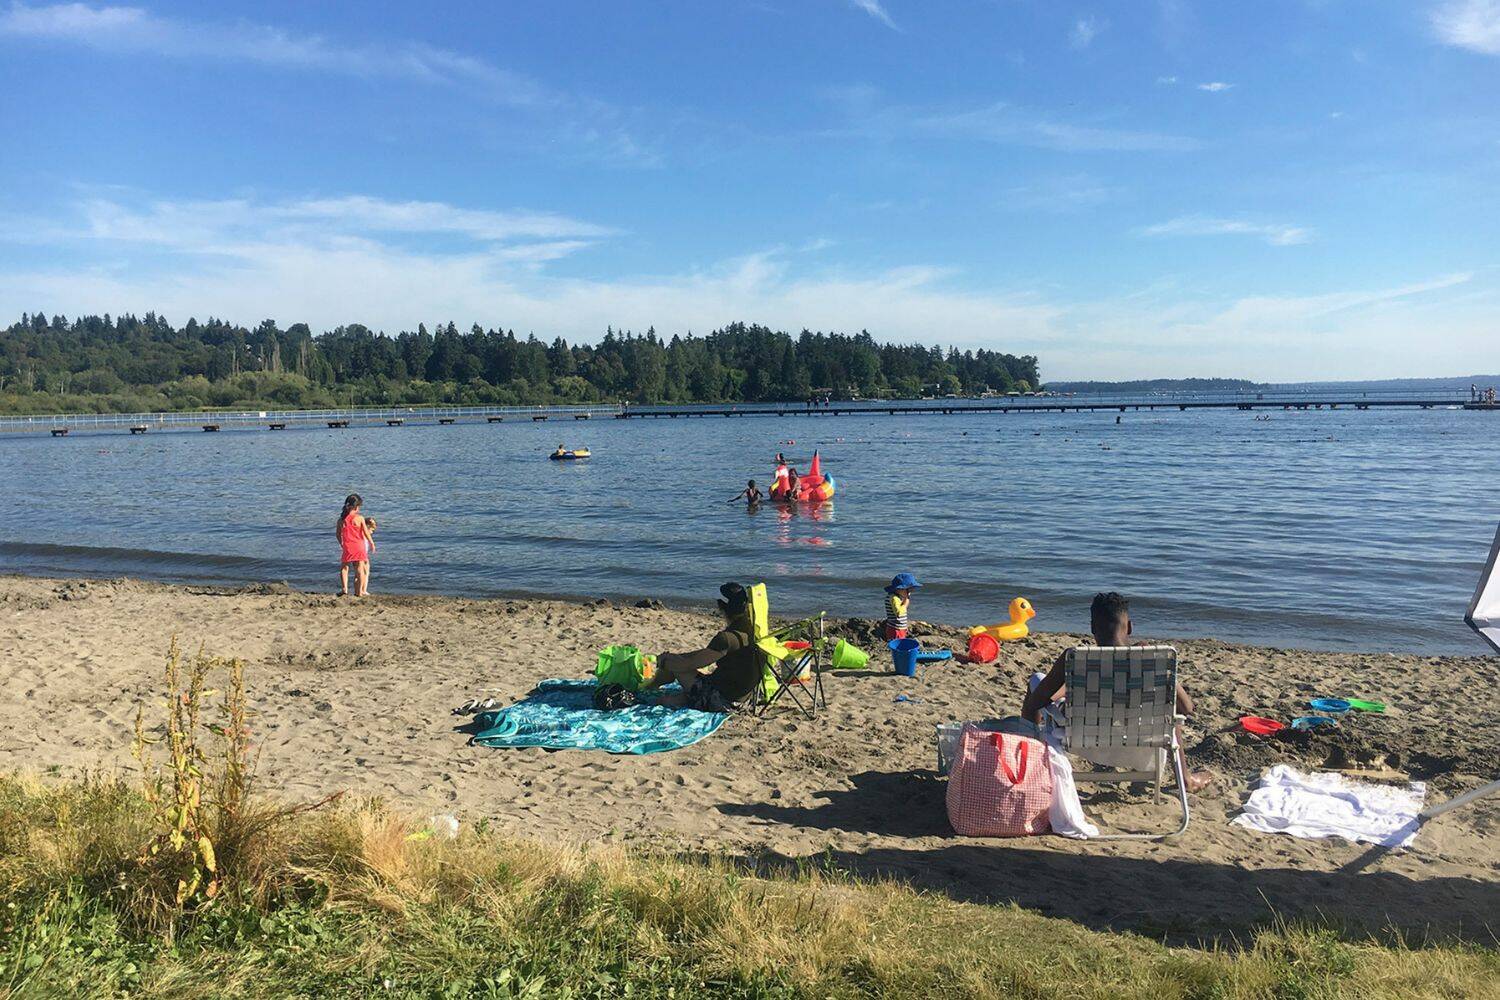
(61, 425)
(1050, 406)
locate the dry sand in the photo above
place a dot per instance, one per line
(358, 695)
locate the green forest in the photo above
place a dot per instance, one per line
(142, 364)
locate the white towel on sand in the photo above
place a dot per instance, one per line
(1331, 805)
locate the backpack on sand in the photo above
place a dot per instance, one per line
(1000, 785)
(612, 697)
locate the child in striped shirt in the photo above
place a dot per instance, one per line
(898, 605)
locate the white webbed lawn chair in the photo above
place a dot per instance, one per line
(1121, 712)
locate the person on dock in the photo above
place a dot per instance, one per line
(732, 654)
(356, 544)
(898, 606)
(750, 494)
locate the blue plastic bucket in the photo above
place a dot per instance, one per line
(904, 655)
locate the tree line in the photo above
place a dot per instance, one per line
(128, 363)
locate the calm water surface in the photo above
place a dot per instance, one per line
(1342, 529)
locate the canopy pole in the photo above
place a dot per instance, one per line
(1463, 799)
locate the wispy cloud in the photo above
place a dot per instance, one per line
(1215, 86)
(1342, 333)
(230, 226)
(134, 29)
(1060, 195)
(1085, 30)
(875, 10)
(1012, 125)
(1469, 24)
(580, 121)
(1167, 81)
(1174, 21)
(1201, 225)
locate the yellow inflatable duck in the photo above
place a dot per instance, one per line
(1020, 613)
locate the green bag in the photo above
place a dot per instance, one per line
(626, 666)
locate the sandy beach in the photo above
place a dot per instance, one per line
(358, 696)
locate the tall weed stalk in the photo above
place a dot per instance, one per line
(210, 828)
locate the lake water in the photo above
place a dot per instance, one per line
(1322, 529)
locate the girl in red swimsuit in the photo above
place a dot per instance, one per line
(356, 545)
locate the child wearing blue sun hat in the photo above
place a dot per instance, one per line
(898, 605)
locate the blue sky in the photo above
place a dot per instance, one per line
(1281, 190)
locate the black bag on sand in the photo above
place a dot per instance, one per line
(608, 697)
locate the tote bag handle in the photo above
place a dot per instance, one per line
(1015, 778)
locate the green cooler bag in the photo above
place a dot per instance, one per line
(626, 666)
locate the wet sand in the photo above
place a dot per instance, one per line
(357, 695)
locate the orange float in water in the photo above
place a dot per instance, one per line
(814, 487)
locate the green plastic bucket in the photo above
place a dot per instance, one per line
(847, 657)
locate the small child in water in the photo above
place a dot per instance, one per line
(793, 487)
(898, 605)
(750, 494)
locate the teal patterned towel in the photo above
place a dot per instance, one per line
(560, 714)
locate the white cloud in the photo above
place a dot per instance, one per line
(1168, 81)
(342, 259)
(229, 226)
(875, 10)
(1200, 225)
(1469, 24)
(1215, 87)
(1085, 30)
(375, 214)
(330, 261)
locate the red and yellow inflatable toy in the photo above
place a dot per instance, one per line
(814, 487)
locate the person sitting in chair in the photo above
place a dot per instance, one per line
(1109, 620)
(732, 653)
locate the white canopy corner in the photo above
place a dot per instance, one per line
(1484, 610)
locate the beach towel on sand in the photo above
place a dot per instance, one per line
(1331, 805)
(560, 715)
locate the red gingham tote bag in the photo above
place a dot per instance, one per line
(1000, 785)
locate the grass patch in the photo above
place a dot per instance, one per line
(350, 906)
(191, 884)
